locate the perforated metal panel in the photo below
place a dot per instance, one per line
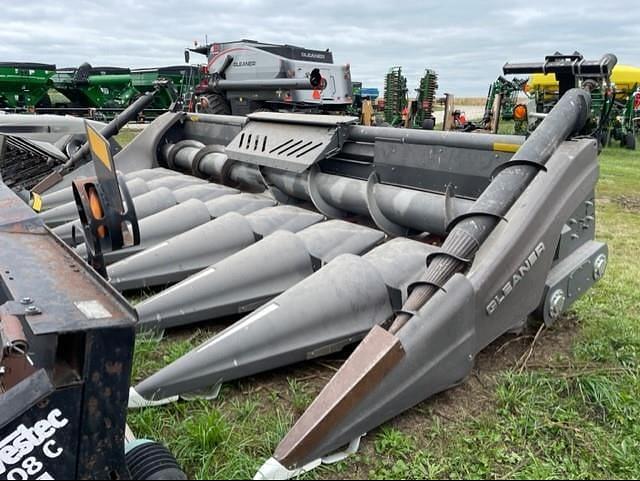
(291, 142)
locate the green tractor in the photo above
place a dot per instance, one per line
(24, 86)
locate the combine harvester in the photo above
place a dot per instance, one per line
(425, 246)
(248, 76)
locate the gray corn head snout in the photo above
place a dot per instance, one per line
(243, 281)
(155, 201)
(184, 217)
(146, 204)
(319, 315)
(65, 195)
(68, 211)
(186, 254)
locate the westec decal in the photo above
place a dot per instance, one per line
(16, 460)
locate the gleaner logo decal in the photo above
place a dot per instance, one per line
(312, 55)
(16, 448)
(244, 63)
(515, 279)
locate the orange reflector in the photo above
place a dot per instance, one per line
(520, 112)
(94, 204)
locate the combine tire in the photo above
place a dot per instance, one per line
(213, 103)
(630, 141)
(150, 461)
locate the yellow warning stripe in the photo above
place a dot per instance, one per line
(99, 147)
(37, 202)
(499, 147)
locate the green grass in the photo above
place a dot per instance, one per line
(126, 136)
(576, 416)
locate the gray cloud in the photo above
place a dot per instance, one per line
(466, 42)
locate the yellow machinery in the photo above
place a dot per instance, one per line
(625, 78)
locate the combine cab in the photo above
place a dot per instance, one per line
(249, 76)
(420, 247)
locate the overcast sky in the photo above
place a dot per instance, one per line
(465, 42)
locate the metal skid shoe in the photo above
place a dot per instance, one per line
(272, 469)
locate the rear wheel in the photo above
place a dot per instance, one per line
(631, 141)
(213, 103)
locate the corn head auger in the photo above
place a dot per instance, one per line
(422, 246)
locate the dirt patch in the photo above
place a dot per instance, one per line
(628, 202)
(476, 396)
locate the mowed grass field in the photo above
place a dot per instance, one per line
(572, 411)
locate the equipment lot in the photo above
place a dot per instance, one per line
(565, 405)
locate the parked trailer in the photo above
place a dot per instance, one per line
(95, 87)
(24, 86)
